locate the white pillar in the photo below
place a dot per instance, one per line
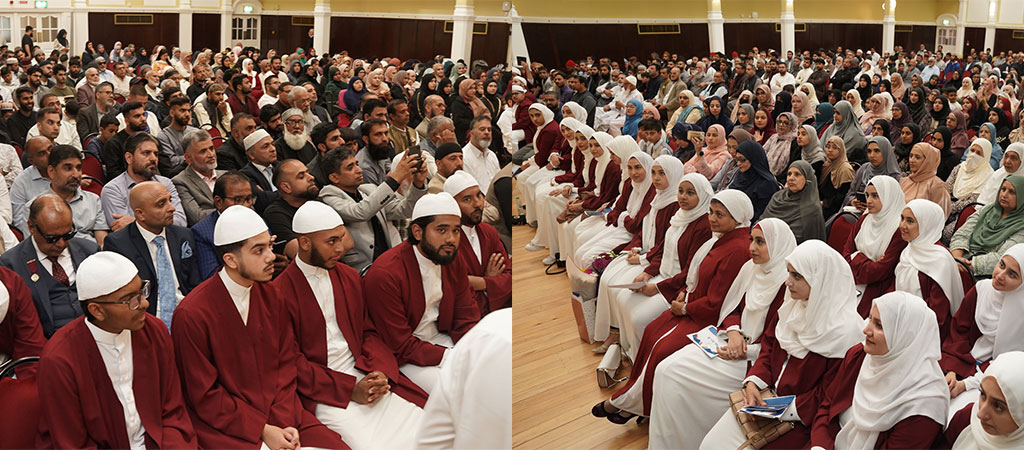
(788, 28)
(185, 25)
(322, 27)
(79, 26)
(889, 27)
(716, 27)
(462, 31)
(516, 40)
(961, 19)
(226, 13)
(990, 27)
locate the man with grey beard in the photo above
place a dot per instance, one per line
(64, 169)
(433, 106)
(477, 158)
(302, 99)
(294, 143)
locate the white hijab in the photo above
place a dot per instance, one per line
(757, 284)
(877, 230)
(588, 133)
(673, 168)
(998, 316)
(670, 264)
(573, 125)
(639, 192)
(990, 191)
(603, 140)
(1008, 370)
(975, 171)
(923, 254)
(577, 111)
(5, 302)
(548, 117)
(904, 382)
(827, 323)
(741, 210)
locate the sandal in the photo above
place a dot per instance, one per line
(613, 338)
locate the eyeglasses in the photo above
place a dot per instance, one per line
(294, 122)
(53, 238)
(241, 199)
(133, 300)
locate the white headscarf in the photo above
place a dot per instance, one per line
(603, 140)
(673, 168)
(991, 189)
(904, 382)
(249, 73)
(1008, 371)
(998, 316)
(639, 192)
(741, 210)
(548, 117)
(924, 255)
(577, 111)
(975, 171)
(670, 264)
(827, 322)
(877, 230)
(758, 284)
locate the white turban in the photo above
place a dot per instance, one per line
(254, 138)
(458, 182)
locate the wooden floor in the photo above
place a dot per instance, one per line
(554, 382)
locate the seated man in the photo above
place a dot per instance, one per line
(478, 159)
(346, 372)
(259, 148)
(108, 128)
(114, 148)
(326, 137)
(235, 357)
(449, 160)
(32, 181)
(294, 143)
(108, 380)
(480, 248)
(20, 332)
(295, 187)
(64, 169)
(90, 118)
(231, 189)
(214, 110)
(195, 182)
(50, 123)
(161, 250)
(376, 156)
(231, 155)
(421, 302)
(141, 161)
(47, 261)
(370, 209)
(171, 159)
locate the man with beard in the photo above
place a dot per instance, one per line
(271, 84)
(781, 79)
(299, 97)
(24, 118)
(36, 81)
(140, 152)
(480, 247)
(326, 137)
(449, 159)
(195, 183)
(234, 358)
(241, 100)
(433, 106)
(478, 159)
(440, 130)
(819, 79)
(345, 369)
(88, 121)
(49, 123)
(294, 142)
(231, 155)
(113, 151)
(32, 181)
(421, 302)
(152, 85)
(121, 80)
(399, 133)
(260, 169)
(584, 98)
(214, 111)
(270, 116)
(171, 159)
(295, 187)
(87, 89)
(375, 157)
(60, 87)
(64, 168)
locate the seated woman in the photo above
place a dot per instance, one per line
(554, 194)
(986, 326)
(910, 135)
(879, 128)
(881, 161)
(729, 170)
(1011, 164)
(798, 205)
(875, 245)
(845, 126)
(987, 132)
(836, 176)
(808, 148)
(634, 112)
(715, 114)
(802, 108)
(996, 420)
(696, 302)
(823, 117)
(687, 146)
(889, 392)
(754, 179)
(926, 268)
(690, 110)
(818, 323)
(644, 253)
(922, 182)
(566, 224)
(940, 139)
(538, 170)
(967, 180)
(778, 147)
(688, 384)
(744, 117)
(710, 159)
(764, 126)
(992, 230)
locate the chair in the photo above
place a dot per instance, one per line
(18, 149)
(17, 233)
(21, 396)
(966, 275)
(214, 132)
(839, 231)
(217, 142)
(93, 168)
(967, 211)
(119, 99)
(88, 139)
(96, 187)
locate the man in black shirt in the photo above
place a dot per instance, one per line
(113, 150)
(24, 118)
(26, 40)
(295, 186)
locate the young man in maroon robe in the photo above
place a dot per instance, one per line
(107, 379)
(236, 360)
(418, 292)
(346, 372)
(20, 332)
(480, 247)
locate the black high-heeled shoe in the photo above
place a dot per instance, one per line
(598, 410)
(620, 419)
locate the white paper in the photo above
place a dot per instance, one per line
(707, 340)
(637, 285)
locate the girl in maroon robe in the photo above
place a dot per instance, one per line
(874, 247)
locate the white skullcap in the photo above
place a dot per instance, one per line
(315, 216)
(102, 273)
(236, 224)
(291, 112)
(12, 60)
(458, 182)
(631, 80)
(436, 205)
(518, 88)
(254, 137)
(515, 71)
(519, 79)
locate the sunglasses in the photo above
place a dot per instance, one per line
(53, 238)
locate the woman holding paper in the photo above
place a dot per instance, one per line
(690, 383)
(817, 324)
(889, 392)
(995, 420)
(697, 302)
(875, 245)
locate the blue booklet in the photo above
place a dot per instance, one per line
(598, 213)
(773, 409)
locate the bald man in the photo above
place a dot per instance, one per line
(161, 251)
(296, 186)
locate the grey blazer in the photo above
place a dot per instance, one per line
(196, 196)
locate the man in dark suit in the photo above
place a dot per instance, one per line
(195, 182)
(231, 155)
(88, 120)
(161, 250)
(47, 262)
(259, 147)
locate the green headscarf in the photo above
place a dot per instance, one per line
(990, 231)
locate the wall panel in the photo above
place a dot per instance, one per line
(553, 45)
(832, 35)
(1005, 41)
(744, 36)
(163, 31)
(920, 34)
(277, 32)
(205, 31)
(974, 37)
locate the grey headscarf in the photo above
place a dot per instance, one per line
(890, 166)
(750, 114)
(849, 130)
(801, 210)
(812, 152)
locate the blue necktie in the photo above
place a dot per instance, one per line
(165, 294)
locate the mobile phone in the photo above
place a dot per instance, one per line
(698, 135)
(415, 151)
(861, 197)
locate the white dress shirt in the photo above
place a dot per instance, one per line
(239, 295)
(482, 165)
(148, 237)
(474, 241)
(64, 260)
(432, 293)
(116, 350)
(339, 355)
(269, 176)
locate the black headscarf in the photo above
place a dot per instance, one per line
(865, 92)
(783, 103)
(948, 160)
(940, 116)
(758, 182)
(62, 37)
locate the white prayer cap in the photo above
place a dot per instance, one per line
(236, 224)
(436, 205)
(518, 88)
(315, 216)
(291, 112)
(515, 70)
(458, 182)
(254, 138)
(519, 79)
(102, 273)
(631, 80)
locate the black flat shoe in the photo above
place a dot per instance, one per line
(619, 419)
(598, 410)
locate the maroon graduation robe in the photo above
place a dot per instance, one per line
(879, 276)
(565, 155)
(963, 332)
(957, 425)
(696, 234)
(396, 304)
(499, 287)
(662, 221)
(80, 408)
(238, 377)
(317, 383)
(548, 139)
(21, 334)
(715, 276)
(631, 224)
(576, 178)
(609, 186)
(911, 432)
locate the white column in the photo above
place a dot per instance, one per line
(226, 13)
(889, 27)
(716, 26)
(322, 27)
(961, 19)
(185, 25)
(788, 28)
(79, 26)
(516, 40)
(990, 26)
(462, 31)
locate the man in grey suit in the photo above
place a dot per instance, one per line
(48, 261)
(88, 120)
(195, 183)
